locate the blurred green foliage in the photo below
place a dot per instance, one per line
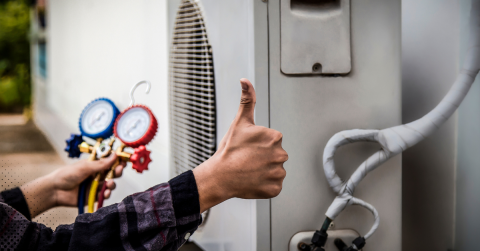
(15, 83)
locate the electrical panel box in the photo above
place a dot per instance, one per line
(318, 67)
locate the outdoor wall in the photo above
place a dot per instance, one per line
(430, 56)
(467, 217)
(101, 49)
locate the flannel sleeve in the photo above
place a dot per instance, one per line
(14, 198)
(161, 218)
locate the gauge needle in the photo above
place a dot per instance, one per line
(97, 118)
(133, 127)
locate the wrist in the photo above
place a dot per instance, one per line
(39, 194)
(211, 184)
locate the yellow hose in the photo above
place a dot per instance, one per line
(93, 194)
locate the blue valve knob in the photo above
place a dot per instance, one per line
(72, 145)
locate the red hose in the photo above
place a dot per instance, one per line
(101, 197)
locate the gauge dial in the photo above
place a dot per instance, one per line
(98, 118)
(136, 126)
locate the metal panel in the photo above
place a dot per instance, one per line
(315, 36)
(308, 110)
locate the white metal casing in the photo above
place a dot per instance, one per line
(308, 110)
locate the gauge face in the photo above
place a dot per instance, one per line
(97, 117)
(133, 125)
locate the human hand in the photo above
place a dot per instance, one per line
(60, 188)
(67, 180)
(248, 163)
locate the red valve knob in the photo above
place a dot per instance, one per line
(140, 159)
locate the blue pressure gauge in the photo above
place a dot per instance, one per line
(98, 118)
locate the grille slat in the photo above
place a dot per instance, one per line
(185, 65)
(189, 97)
(193, 56)
(193, 72)
(192, 124)
(199, 141)
(192, 87)
(197, 132)
(206, 95)
(189, 31)
(192, 90)
(191, 76)
(199, 136)
(194, 109)
(186, 25)
(185, 114)
(189, 35)
(179, 62)
(190, 102)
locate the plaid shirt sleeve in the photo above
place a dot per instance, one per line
(161, 218)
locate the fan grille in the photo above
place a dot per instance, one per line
(192, 91)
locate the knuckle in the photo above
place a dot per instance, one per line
(274, 191)
(103, 162)
(246, 100)
(281, 156)
(279, 173)
(277, 136)
(284, 156)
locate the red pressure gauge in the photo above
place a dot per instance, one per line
(136, 126)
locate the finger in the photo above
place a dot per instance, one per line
(107, 194)
(111, 184)
(93, 167)
(119, 170)
(247, 103)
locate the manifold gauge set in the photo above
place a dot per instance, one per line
(101, 121)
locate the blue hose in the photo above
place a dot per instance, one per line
(81, 196)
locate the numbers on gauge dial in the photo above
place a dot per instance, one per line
(97, 117)
(133, 124)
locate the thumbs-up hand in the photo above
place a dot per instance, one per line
(248, 163)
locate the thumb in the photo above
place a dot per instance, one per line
(247, 103)
(101, 165)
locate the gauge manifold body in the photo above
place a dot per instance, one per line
(98, 118)
(136, 126)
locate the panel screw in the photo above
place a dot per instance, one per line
(332, 225)
(316, 67)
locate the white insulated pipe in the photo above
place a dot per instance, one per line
(397, 139)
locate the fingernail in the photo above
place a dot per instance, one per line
(244, 85)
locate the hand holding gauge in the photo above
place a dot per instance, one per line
(135, 127)
(96, 122)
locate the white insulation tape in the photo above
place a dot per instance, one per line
(395, 140)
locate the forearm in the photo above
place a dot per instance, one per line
(40, 194)
(157, 219)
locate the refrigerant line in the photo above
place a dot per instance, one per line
(395, 140)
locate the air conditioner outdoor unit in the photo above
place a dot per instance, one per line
(318, 67)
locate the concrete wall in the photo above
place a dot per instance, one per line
(430, 56)
(101, 49)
